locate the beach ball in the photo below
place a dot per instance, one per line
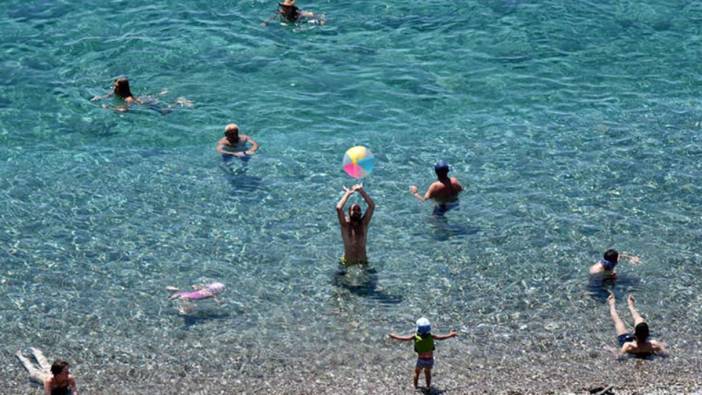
(358, 162)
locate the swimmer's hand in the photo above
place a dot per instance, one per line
(413, 189)
(183, 102)
(633, 259)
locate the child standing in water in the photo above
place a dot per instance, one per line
(424, 347)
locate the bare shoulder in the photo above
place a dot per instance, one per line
(628, 347)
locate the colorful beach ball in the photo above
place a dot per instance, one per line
(358, 161)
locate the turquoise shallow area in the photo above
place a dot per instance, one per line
(574, 127)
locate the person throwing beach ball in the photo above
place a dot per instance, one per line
(354, 227)
(424, 347)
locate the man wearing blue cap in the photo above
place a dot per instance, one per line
(444, 191)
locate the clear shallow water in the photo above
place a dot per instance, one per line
(574, 128)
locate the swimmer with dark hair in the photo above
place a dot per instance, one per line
(444, 191)
(121, 90)
(289, 12)
(638, 343)
(56, 378)
(605, 266)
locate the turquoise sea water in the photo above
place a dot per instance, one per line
(574, 127)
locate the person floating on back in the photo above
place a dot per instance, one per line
(354, 227)
(444, 191)
(605, 266)
(290, 13)
(56, 378)
(638, 343)
(424, 347)
(234, 144)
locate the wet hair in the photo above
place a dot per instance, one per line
(641, 332)
(122, 88)
(290, 12)
(611, 255)
(58, 366)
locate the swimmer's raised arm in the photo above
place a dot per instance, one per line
(342, 202)
(371, 204)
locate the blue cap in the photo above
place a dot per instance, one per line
(423, 326)
(441, 165)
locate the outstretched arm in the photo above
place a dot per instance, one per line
(451, 334)
(427, 195)
(371, 204)
(401, 338)
(342, 202)
(633, 259)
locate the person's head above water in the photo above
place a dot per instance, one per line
(58, 367)
(423, 326)
(289, 10)
(121, 88)
(641, 332)
(231, 131)
(441, 168)
(355, 212)
(611, 258)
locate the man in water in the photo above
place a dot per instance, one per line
(444, 191)
(234, 144)
(354, 227)
(604, 268)
(638, 343)
(289, 12)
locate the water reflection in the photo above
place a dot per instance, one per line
(443, 229)
(600, 285)
(235, 170)
(201, 316)
(362, 280)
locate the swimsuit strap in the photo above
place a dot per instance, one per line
(608, 265)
